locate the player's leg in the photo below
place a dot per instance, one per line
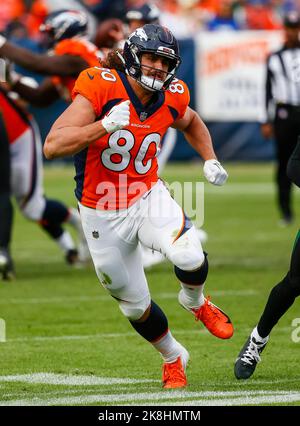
(57, 214)
(282, 296)
(286, 139)
(165, 228)
(117, 259)
(27, 187)
(6, 210)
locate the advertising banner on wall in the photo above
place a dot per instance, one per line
(230, 73)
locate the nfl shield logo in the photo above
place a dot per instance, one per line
(143, 116)
(95, 234)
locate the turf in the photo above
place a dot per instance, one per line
(61, 322)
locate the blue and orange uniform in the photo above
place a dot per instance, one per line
(130, 152)
(76, 47)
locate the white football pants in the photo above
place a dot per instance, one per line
(113, 237)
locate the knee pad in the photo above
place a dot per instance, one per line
(134, 310)
(196, 277)
(34, 208)
(186, 253)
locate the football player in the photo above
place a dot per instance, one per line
(26, 180)
(69, 53)
(113, 128)
(281, 298)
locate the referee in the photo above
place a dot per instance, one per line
(282, 119)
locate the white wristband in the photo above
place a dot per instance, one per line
(3, 40)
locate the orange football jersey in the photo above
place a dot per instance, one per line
(76, 47)
(16, 119)
(117, 169)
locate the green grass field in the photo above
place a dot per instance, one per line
(68, 344)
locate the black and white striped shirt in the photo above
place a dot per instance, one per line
(283, 78)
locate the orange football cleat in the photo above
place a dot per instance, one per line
(174, 375)
(214, 319)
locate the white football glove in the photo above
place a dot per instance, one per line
(214, 172)
(117, 118)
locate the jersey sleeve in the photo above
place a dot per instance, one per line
(179, 98)
(69, 47)
(86, 86)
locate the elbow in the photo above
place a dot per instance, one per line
(48, 149)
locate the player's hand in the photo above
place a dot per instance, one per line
(214, 172)
(117, 118)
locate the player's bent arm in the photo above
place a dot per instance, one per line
(198, 136)
(63, 65)
(40, 96)
(74, 130)
(196, 133)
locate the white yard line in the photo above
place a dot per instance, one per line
(181, 397)
(264, 400)
(88, 380)
(70, 380)
(202, 398)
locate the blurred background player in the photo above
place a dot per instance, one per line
(27, 180)
(135, 101)
(283, 95)
(6, 210)
(280, 299)
(65, 34)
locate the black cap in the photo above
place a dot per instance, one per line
(292, 20)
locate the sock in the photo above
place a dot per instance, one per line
(168, 347)
(65, 241)
(257, 337)
(192, 296)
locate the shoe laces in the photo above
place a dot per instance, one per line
(173, 371)
(212, 312)
(251, 354)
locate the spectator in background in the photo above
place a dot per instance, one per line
(283, 94)
(181, 17)
(259, 15)
(224, 19)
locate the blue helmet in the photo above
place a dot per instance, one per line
(148, 13)
(151, 38)
(64, 24)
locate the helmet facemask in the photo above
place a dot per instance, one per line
(152, 83)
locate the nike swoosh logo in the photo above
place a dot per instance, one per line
(91, 77)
